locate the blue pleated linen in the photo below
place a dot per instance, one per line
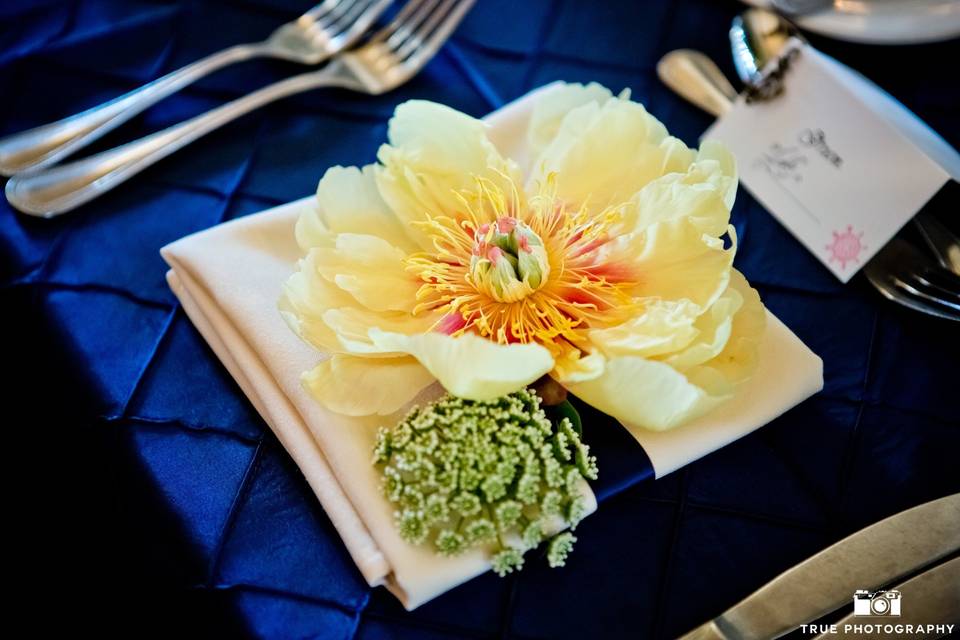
(659, 556)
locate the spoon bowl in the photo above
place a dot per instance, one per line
(757, 37)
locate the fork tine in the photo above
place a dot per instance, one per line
(412, 39)
(330, 18)
(434, 41)
(930, 283)
(349, 17)
(417, 34)
(924, 297)
(399, 20)
(322, 9)
(407, 28)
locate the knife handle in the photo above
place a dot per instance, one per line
(706, 631)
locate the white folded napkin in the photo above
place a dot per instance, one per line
(229, 279)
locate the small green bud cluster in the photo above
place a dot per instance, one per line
(489, 474)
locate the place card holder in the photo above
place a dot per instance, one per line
(771, 83)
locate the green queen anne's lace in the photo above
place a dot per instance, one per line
(495, 475)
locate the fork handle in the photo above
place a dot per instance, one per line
(49, 143)
(53, 191)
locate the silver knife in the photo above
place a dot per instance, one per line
(930, 601)
(867, 560)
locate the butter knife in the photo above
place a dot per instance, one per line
(871, 558)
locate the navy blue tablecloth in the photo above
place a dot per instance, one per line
(159, 497)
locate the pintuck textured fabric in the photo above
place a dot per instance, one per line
(660, 556)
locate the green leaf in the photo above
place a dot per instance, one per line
(558, 412)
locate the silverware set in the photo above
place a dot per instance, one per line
(329, 32)
(899, 271)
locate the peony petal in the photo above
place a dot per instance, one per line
(310, 230)
(738, 360)
(470, 366)
(699, 193)
(352, 326)
(362, 386)
(645, 393)
(371, 270)
(658, 394)
(306, 297)
(435, 153)
(348, 202)
(549, 112)
(603, 154)
(714, 328)
(663, 327)
(676, 156)
(572, 365)
(716, 153)
(677, 261)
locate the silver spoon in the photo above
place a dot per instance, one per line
(694, 76)
(800, 7)
(757, 37)
(927, 289)
(324, 30)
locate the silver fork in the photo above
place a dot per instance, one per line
(391, 57)
(905, 276)
(321, 32)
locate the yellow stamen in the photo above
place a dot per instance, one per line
(581, 287)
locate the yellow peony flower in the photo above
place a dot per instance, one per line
(605, 267)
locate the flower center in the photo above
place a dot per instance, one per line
(508, 261)
(522, 270)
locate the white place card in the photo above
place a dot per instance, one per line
(833, 161)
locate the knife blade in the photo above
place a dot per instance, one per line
(930, 600)
(872, 557)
